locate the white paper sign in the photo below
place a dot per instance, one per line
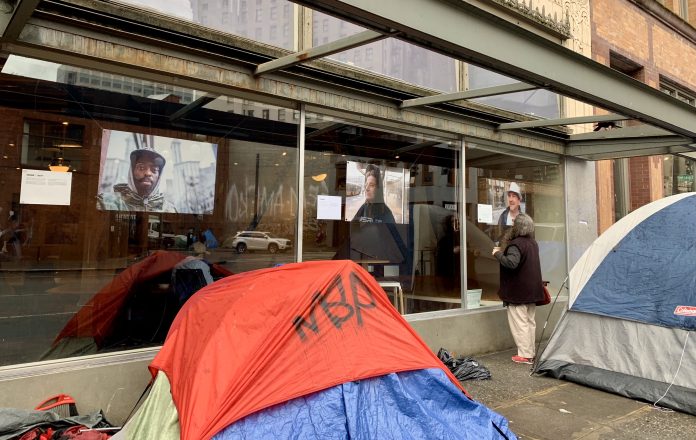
(329, 208)
(485, 213)
(45, 187)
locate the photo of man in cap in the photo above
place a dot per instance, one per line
(141, 193)
(514, 197)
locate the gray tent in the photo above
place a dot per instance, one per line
(632, 309)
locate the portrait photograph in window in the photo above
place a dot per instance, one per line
(494, 192)
(143, 172)
(376, 193)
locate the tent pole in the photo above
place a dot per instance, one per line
(541, 337)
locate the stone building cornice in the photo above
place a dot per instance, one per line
(559, 26)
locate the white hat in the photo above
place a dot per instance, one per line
(516, 189)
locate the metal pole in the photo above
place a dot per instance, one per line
(300, 182)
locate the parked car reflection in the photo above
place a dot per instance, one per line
(245, 241)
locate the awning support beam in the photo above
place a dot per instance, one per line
(562, 121)
(11, 24)
(469, 94)
(195, 105)
(324, 50)
(642, 140)
(614, 151)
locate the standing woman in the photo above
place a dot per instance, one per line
(520, 284)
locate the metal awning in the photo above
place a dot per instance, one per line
(468, 94)
(460, 30)
(324, 50)
(12, 24)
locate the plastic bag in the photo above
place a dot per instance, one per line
(464, 368)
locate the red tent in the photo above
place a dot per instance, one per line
(96, 318)
(261, 338)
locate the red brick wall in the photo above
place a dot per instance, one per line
(639, 175)
(620, 26)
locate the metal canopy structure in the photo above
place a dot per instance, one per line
(469, 94)
(320, 51)
(563, 121)
(12, 24)
(460, 30)
(195, 105)
(640, 140)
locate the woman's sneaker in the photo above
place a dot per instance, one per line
(521, 360)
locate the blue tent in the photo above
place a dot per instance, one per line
(632, 309)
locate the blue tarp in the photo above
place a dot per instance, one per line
(422, 404)
(650, 272)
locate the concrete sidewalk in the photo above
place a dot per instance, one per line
(540, 407)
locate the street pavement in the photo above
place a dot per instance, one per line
(541, 408)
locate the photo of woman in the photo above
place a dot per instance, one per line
(374, 209)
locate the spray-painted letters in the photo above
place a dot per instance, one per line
(337, 305)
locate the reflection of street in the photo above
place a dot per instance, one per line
(36, 305)
(247, 261)
(260, 260)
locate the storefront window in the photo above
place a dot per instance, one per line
(118, 207)
(390, 57)
(490, 177)
(387, 201)
(678, 174)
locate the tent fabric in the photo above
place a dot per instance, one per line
(586, 266)
(156, 418)
(260, 338)
(421, 404)
(93, 323)
(97, 316)
(628, 358)
(650, 271)
(627, 347)
(621, 332)
(677, 398)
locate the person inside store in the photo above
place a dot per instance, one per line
(141, 193)
(373, 210)
(520, 284)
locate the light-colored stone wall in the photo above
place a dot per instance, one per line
(578, 12)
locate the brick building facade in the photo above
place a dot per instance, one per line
(653, 44)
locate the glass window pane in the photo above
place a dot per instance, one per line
(678, 174)
(152, 213)
(490, 207)
(246, 18)
(386, 201)
(390, 57)
(540, 103)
